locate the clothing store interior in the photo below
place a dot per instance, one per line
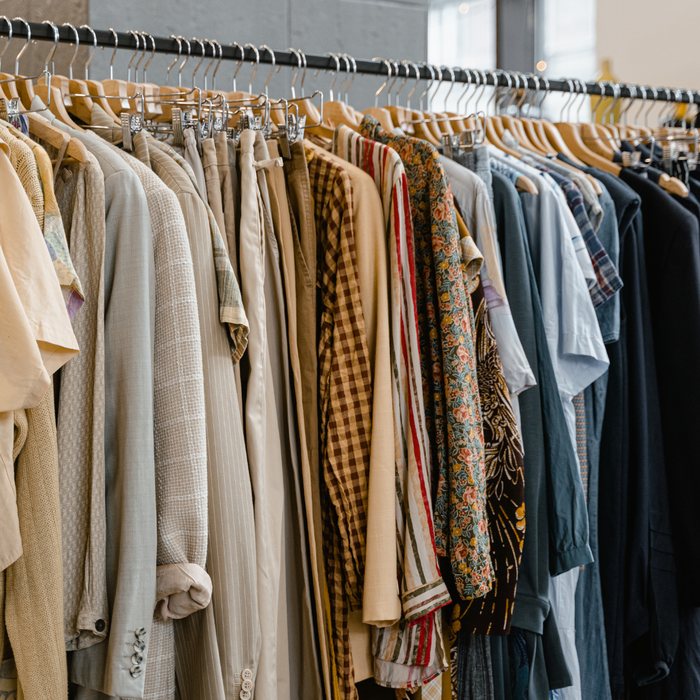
(341, 354)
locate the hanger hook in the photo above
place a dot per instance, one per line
(52, 53)
(526, 92)
(137, 39)
(468, 84)
(221, 58)
(240, 61)
(495, 74)
(345, 58)
(177, 58)
(570, 95)
(24, 48)
(77, 46)
(201, 60)
(9, 37)
(545, 94)
(654, 94)
(274, 63)
(594, 110)
(406, 67)
(643, 90)
(256, 64)
(608, 110)
(92, 53)
(385, 83)
(511, 91)
(184, 61)
(141, 57)
(452, 84)
(633, 94)
(535, 92)
(211, 63)
(153, 52)
(430, 84)
(415, 85)
(334, 73)
(354, 73)
(303, 75)
(296, 73)
(441, 79)
(515, 76)
(395, 66)
(581, 89)
(483, 83)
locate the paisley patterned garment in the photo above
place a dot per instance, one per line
(505, 484)
(448, 365)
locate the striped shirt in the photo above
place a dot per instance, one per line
(608, 281)
(422, 588)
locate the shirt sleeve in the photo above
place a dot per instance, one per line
(31, 270)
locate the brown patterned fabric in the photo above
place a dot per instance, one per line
(505, 486)
(345, 397)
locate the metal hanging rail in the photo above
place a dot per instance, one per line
(163, 45)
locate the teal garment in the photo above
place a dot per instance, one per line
(549, 454)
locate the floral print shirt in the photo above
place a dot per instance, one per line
(448, 365)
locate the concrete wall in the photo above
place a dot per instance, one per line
(32, 62)
(362, 28)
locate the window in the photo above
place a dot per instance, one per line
(461, 34)
(567, 38)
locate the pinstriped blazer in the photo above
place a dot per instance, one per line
(216, 646)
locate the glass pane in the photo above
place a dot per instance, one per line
(461, 34)
(568, 49)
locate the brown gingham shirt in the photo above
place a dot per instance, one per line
(345, 400)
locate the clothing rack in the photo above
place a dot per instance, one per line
(163, 45)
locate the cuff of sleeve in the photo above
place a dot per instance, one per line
(571, 558)
(424, 600)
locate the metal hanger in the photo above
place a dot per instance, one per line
(177, 58)
(430, 84)
(9, 37)
(274, 62)
(218, 65)
(150, 58)
(187, 58)
(211, 63)
(334, 73)
(255, 63)
(352, 79)
(201, 60)
(240, 63)
(137, 39)
(415, 85)
(385, 83)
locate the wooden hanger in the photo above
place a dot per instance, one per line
(39, 127)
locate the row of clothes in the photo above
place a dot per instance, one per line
(365, 421)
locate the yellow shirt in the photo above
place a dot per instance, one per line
(36, 337)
